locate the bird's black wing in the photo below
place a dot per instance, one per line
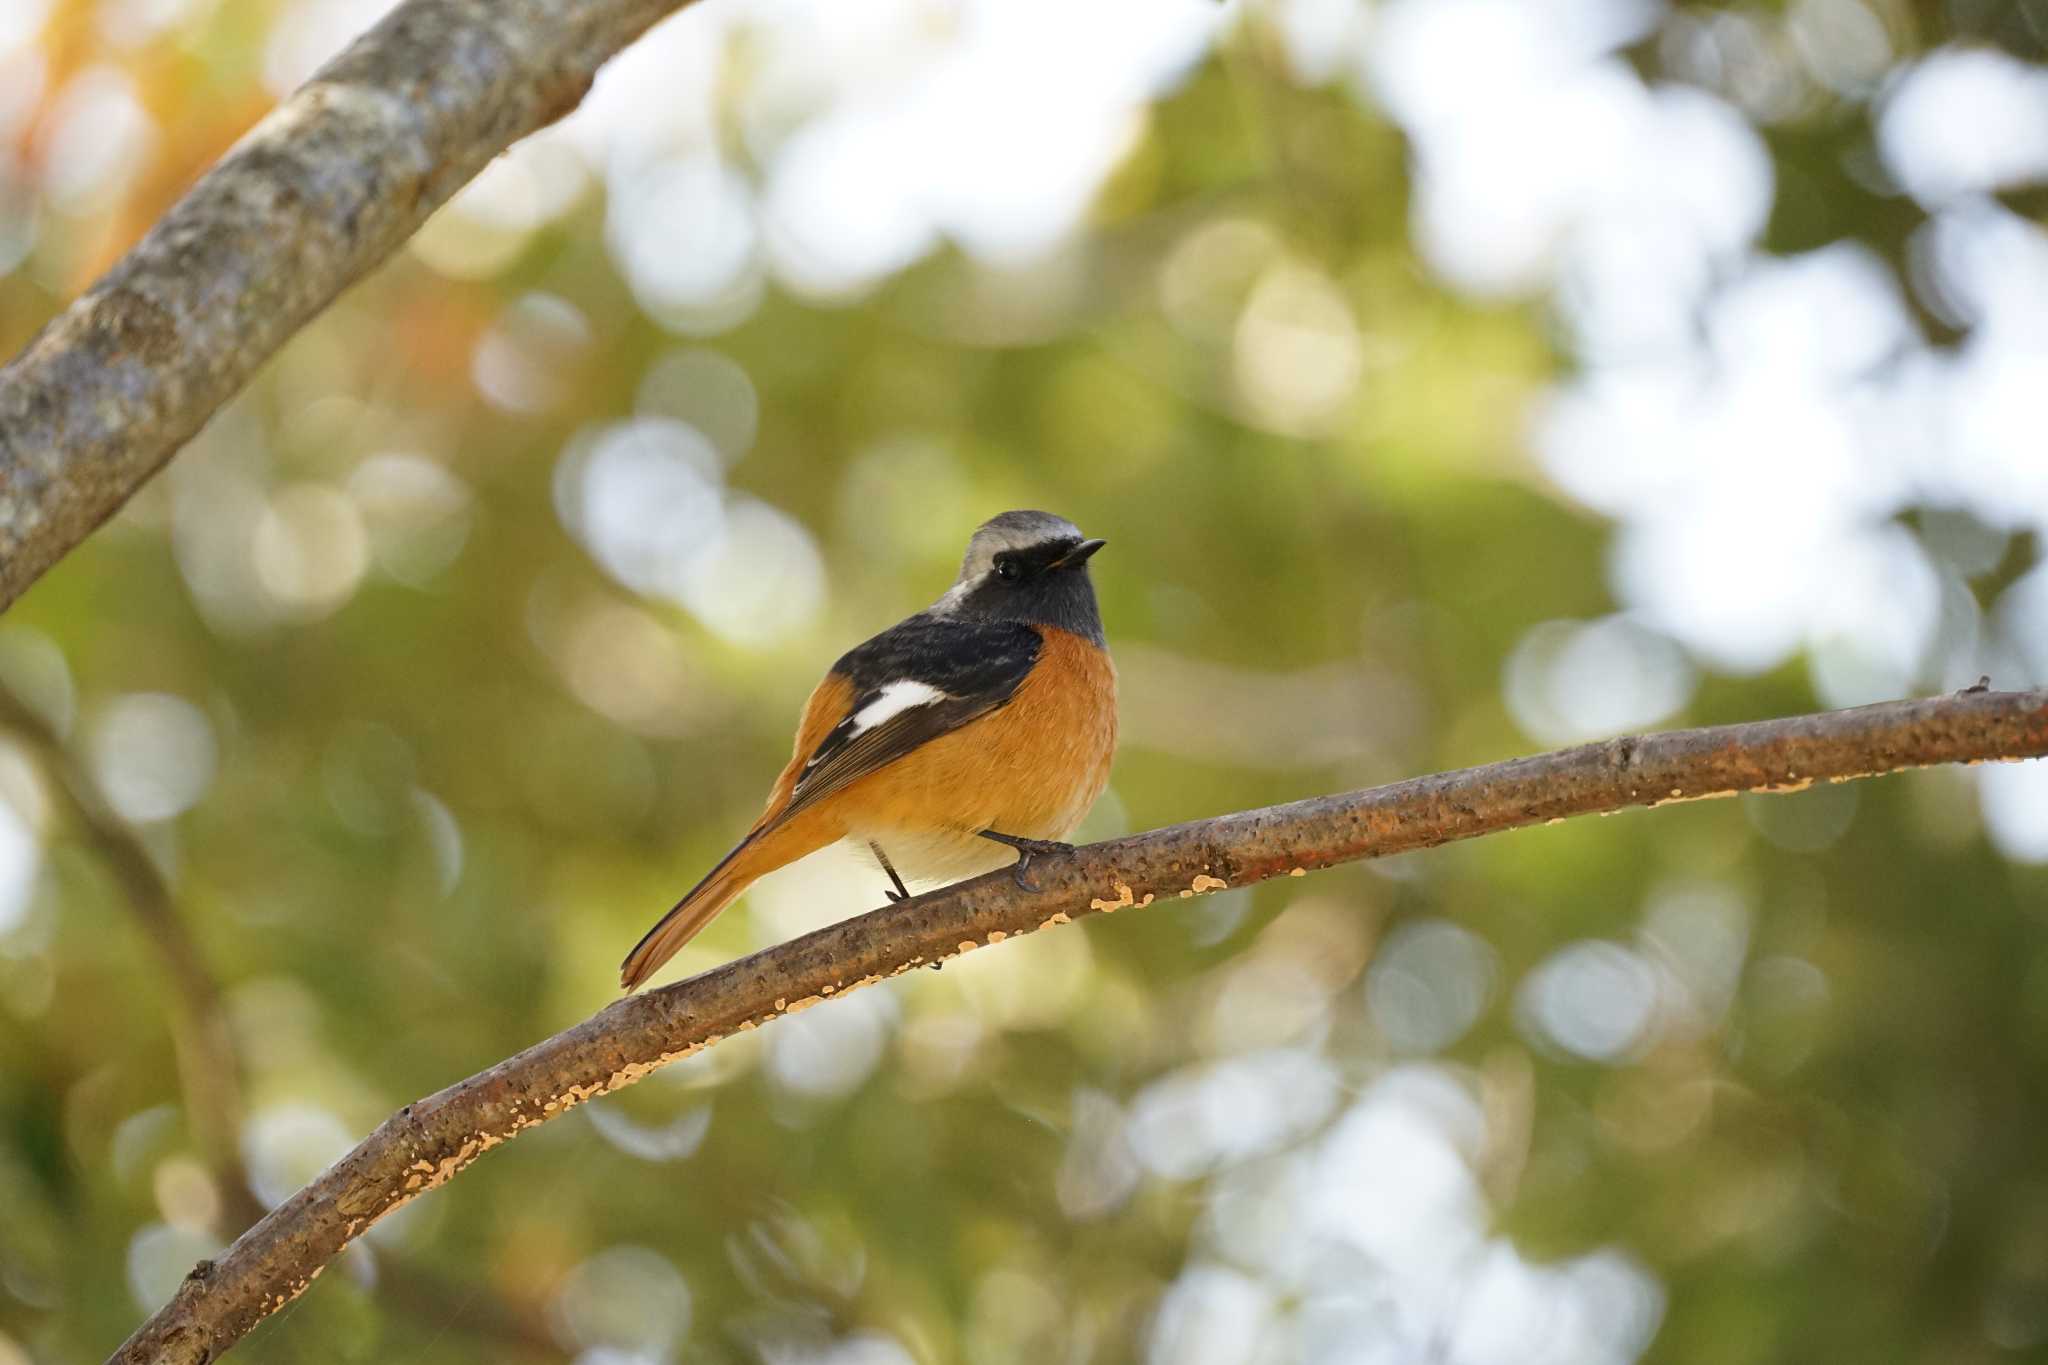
(919, 679)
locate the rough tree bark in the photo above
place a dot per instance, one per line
(334, 180)
(427, 1143)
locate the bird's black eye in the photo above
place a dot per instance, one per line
(1008, 569)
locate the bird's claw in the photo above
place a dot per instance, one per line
(1027, 849)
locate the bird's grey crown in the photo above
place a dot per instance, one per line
(1012, 531)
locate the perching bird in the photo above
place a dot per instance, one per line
(981, 725)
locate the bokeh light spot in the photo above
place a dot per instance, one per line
(1428, 984)
(1595, 999)
(624, 1298)
(311, 550)
(153, 755)
(285, 1146)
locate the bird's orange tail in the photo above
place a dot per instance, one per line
(682, 924)
(763, 850)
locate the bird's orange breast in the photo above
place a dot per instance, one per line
(1032, 767)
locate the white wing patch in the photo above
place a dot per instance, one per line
(893, 701)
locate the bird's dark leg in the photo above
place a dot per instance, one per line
(902, 892)
(1027, 849)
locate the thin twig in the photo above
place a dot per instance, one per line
(209, 1072)
(334, 180)
(427, 1143)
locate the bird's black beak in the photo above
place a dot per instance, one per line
(1076, 557)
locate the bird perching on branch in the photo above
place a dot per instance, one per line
(980, 725)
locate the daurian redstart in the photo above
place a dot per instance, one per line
(981, 725)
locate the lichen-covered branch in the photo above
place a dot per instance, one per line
(427, 1143)
(334, 180)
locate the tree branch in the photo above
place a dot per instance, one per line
(427, 1143)
(334, 180)
(209, 1069)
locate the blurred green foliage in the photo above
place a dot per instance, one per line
(448, 767)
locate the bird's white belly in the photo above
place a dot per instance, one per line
(926, 858)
